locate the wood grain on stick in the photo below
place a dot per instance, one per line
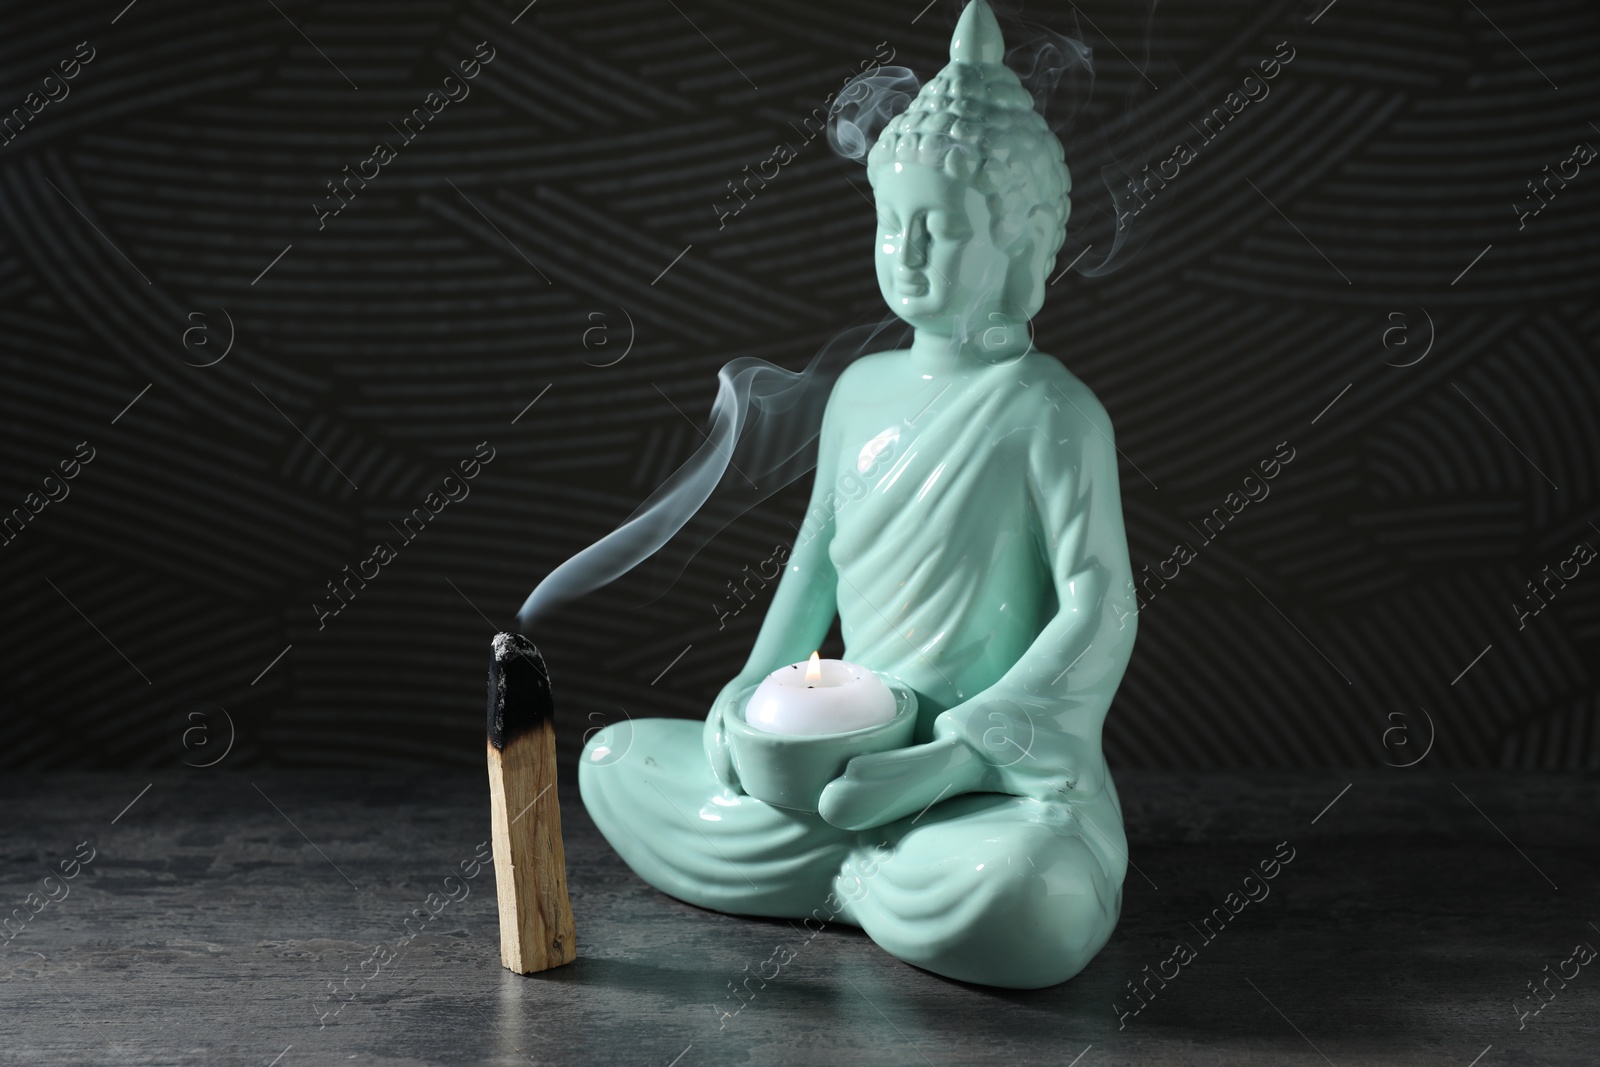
(536, 928)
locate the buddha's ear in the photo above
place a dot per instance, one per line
(1033, 258)
(1025, 282)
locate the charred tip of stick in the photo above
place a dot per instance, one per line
(519, 689)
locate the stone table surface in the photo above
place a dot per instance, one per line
(260, 918)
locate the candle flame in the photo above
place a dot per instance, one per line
(814, 669)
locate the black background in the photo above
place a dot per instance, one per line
(1365, 612)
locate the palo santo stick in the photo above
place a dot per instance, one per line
(530, 871)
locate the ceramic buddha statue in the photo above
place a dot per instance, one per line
(965, 526)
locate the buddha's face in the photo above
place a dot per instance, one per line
(939, 268)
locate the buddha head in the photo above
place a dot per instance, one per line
(971, 188)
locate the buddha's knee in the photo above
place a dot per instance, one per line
(1026, 909)
(632, 755)
(633, 769)
(1044, 927)
(649, 789)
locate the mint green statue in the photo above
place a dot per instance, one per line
(966, 526)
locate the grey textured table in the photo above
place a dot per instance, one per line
(220, 911)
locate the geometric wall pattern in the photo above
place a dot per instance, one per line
(1380, 260)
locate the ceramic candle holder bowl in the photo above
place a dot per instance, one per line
(789, 770)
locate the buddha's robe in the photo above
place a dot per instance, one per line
(969, 529)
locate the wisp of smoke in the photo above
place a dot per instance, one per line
(864, 107)
(1046, 59)
(764, 426)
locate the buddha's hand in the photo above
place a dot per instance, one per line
(715, 736)
(981, 746)
(1025, 749)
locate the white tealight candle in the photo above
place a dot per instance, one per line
(820, 696)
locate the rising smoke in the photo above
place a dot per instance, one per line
(865, 106)
(763, 436)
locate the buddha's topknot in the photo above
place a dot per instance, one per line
(977, 123)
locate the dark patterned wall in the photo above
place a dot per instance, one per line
(1337, 272)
